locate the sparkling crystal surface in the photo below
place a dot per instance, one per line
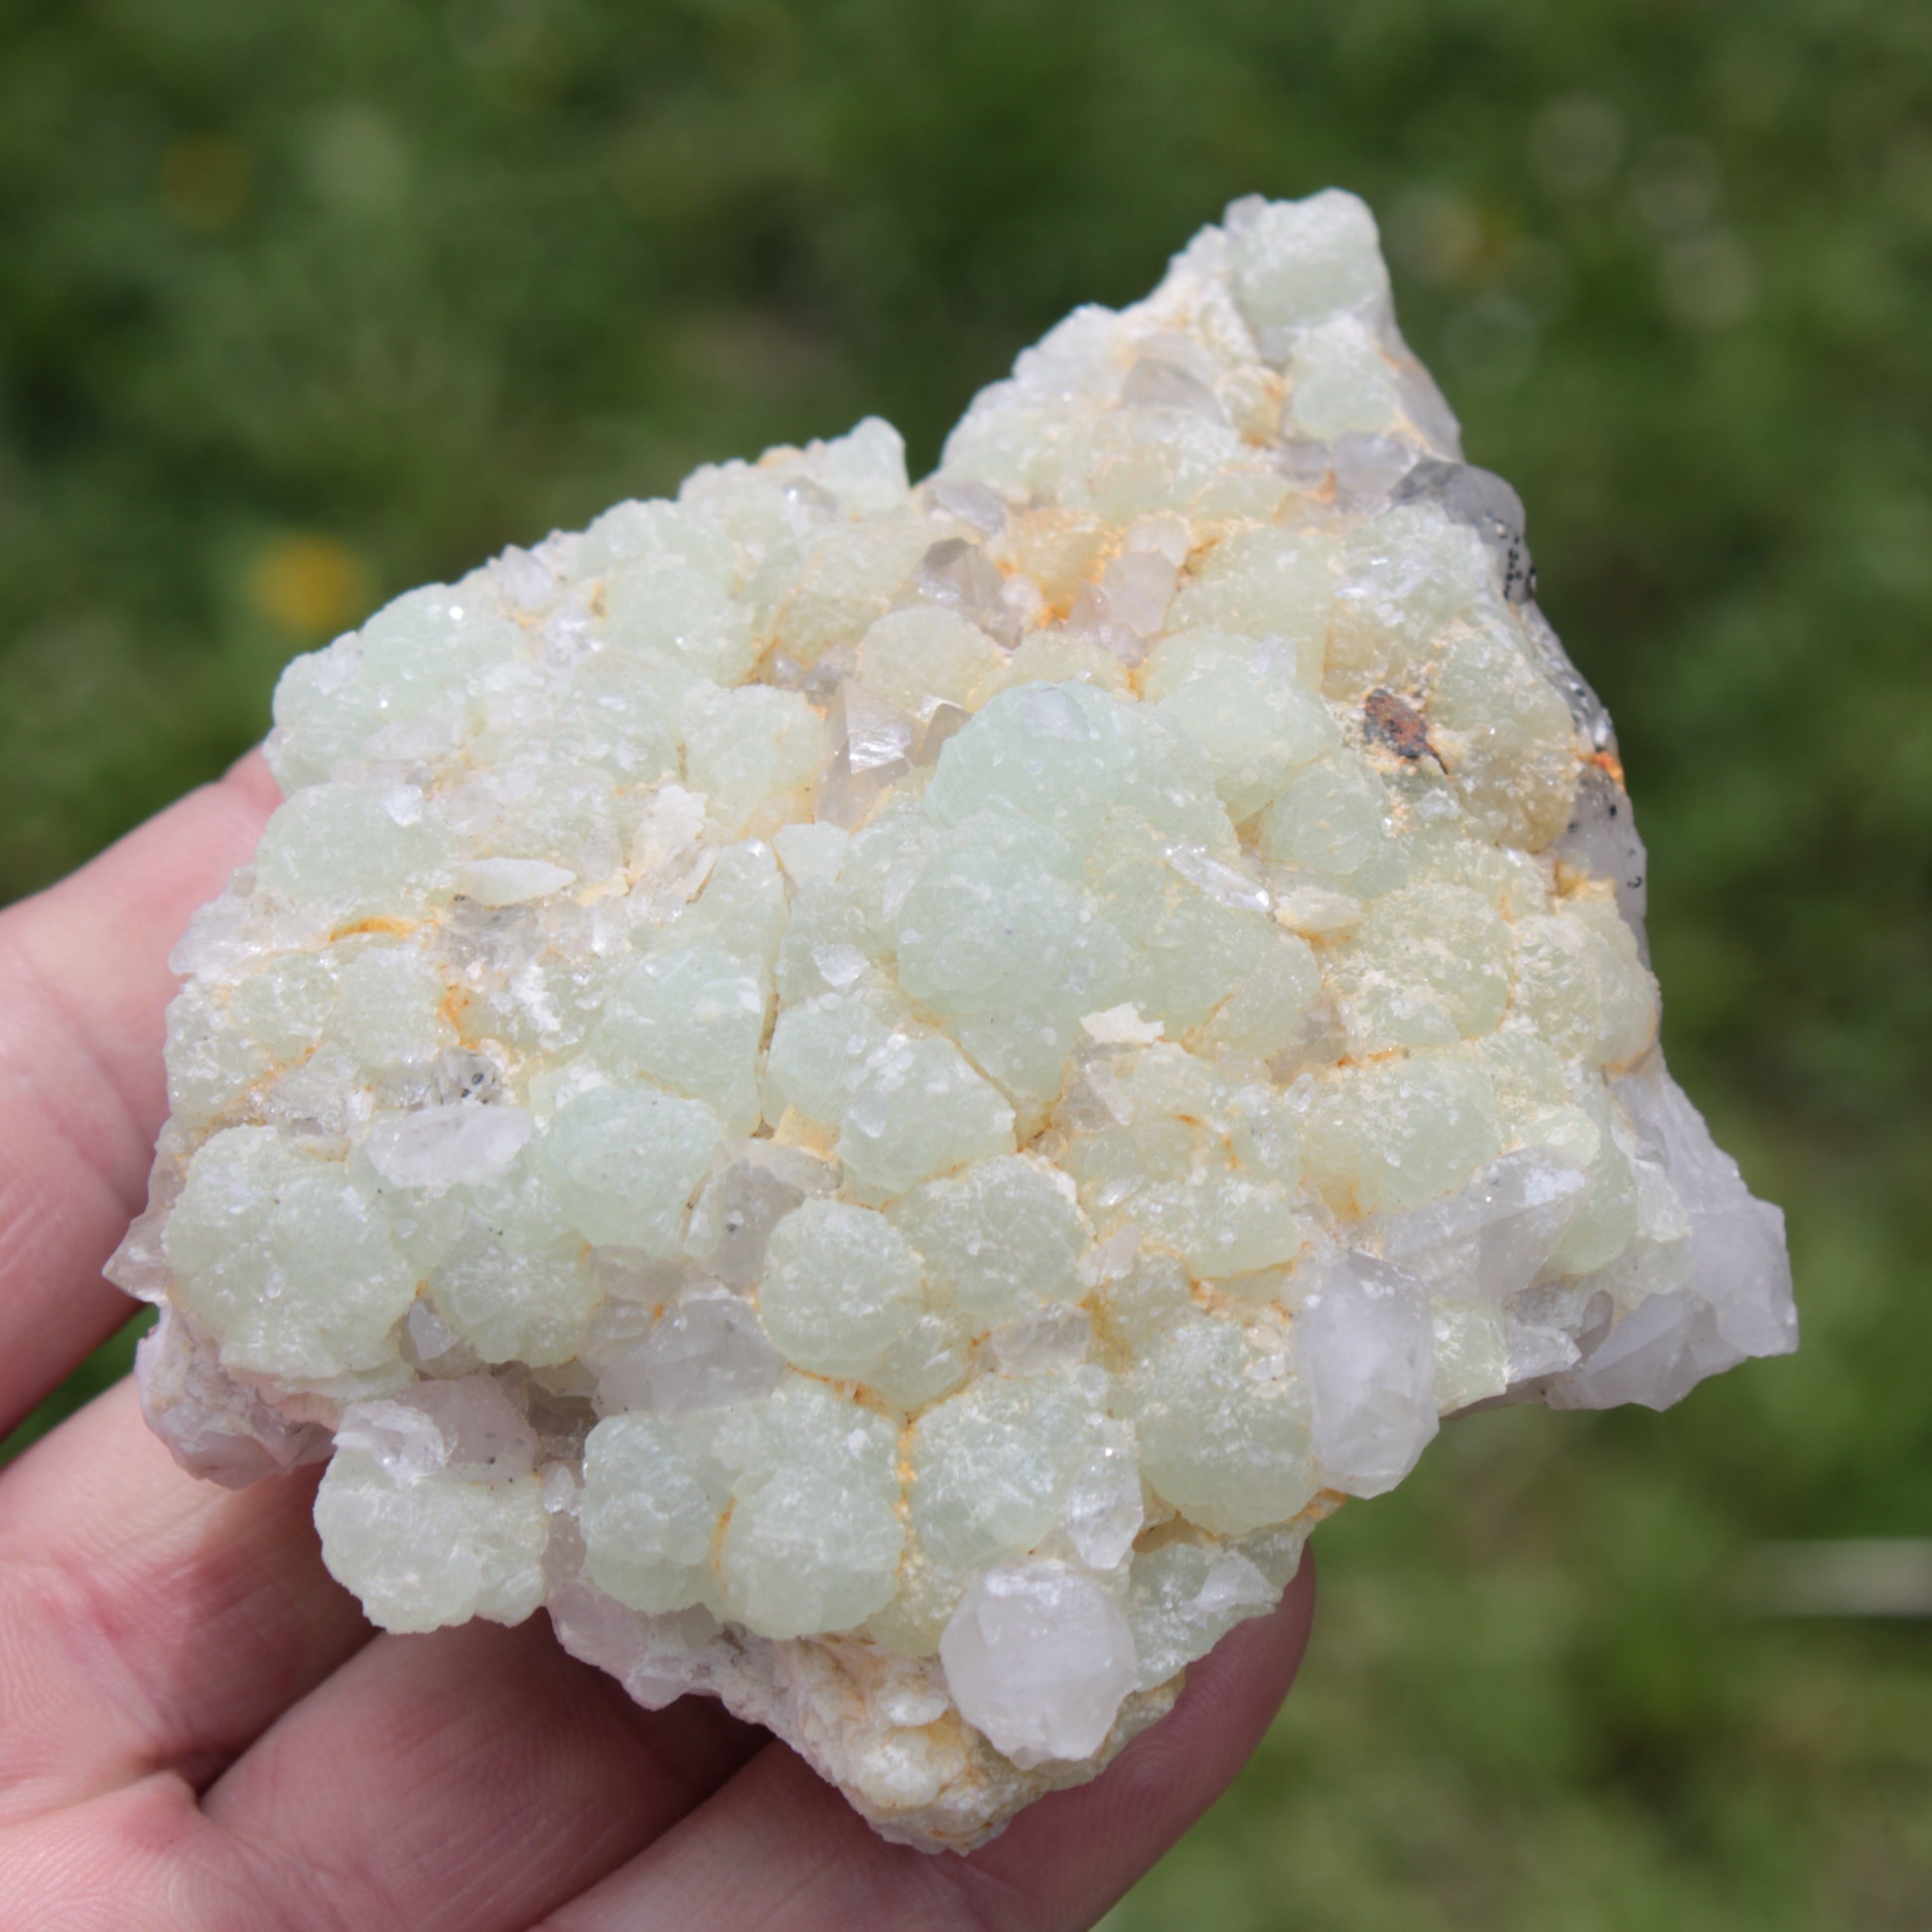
(881, 1095)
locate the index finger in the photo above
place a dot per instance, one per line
(83, 985)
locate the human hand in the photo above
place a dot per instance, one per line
(199, 1730)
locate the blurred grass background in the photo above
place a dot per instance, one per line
(300, 306)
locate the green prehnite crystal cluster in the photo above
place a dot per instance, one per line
(880, 1095)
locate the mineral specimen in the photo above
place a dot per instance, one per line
(878, 1096)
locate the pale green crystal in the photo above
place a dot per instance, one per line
(282, 1254)
(991, 1468)
(918, 1109)
(485, 1543)
(362, 850)
(693, 1020)
(998, 1238)
(840, 1288)
(814, 1539)
(625, 1159)
(1254, 722)
(919, 660)
(653, 1495)
(1223, 1428)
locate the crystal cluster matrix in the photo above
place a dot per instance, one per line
(877, 1097)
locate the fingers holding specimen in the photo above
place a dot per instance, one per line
(83, 984)
(478, 1776)
(151, 1621)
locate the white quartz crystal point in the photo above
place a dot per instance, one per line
(1493, 1238)
(470, 1425)
(1730, 1296)
(1365, 1341)
(1038, 1658)
(215, 1425)
(439, 1145)
(880, 1095)
(707, 1352)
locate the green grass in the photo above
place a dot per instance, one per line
(303, 305)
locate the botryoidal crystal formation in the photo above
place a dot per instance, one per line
(879, 1096)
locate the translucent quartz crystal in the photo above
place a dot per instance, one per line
(879, 1096)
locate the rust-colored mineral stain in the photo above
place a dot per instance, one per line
(377, 923)
(456, 1007)
(1398, 726)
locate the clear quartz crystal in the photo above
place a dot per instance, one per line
(707, 1352)
(1038, 1658)
(879, 1096)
